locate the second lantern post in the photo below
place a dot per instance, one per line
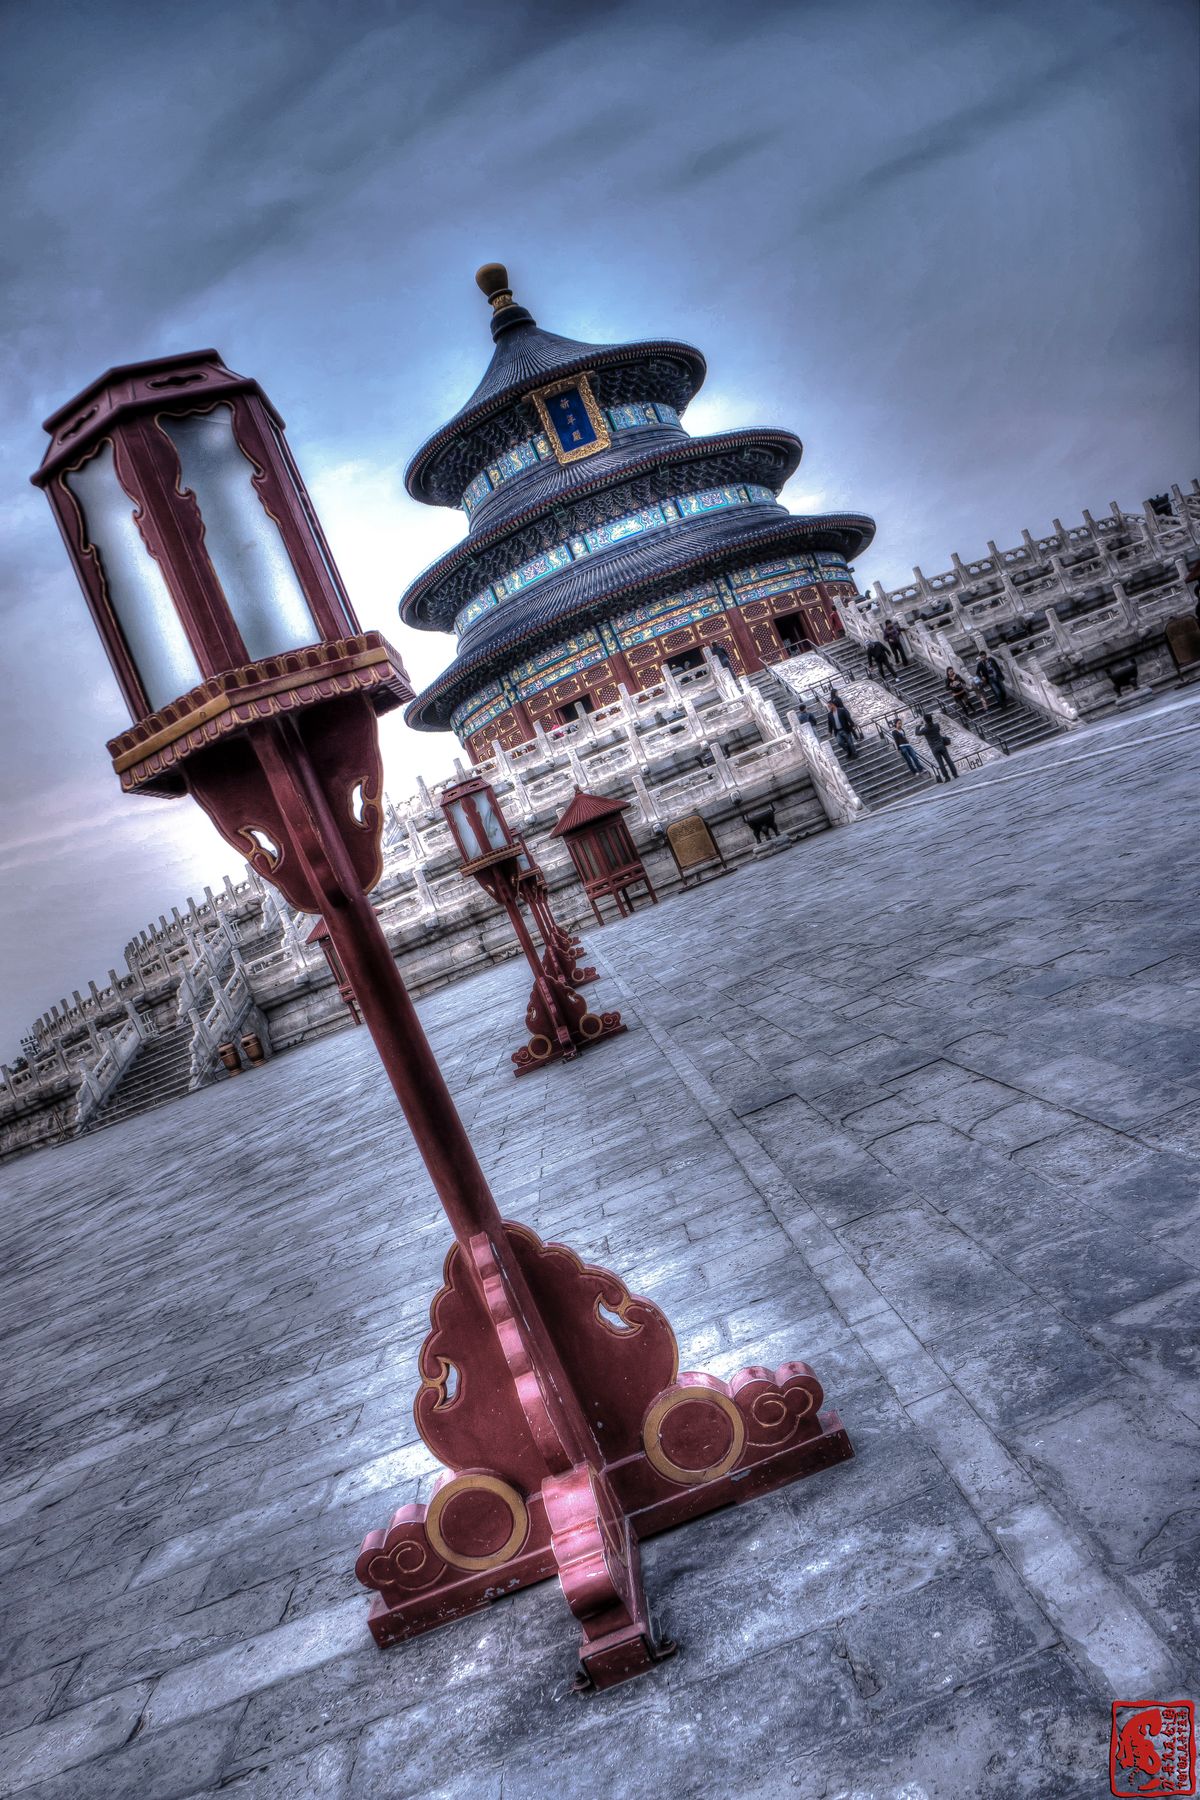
(558, 1021)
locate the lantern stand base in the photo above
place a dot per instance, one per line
(542, 1049)
(582, 973)
(513, 1510)
(557, 1018)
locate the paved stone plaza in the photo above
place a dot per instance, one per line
(915, 1100)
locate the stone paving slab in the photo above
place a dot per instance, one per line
(916, 1101)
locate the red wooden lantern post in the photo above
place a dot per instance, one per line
(549, 1391)
(562, 952)
(558, 1021)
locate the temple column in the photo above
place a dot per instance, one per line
(751, 660)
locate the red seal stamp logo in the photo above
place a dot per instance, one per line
(1153, 1748)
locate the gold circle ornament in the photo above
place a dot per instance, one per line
(681, 1396)
(488, 1484)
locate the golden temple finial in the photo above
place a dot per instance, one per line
(492, 280)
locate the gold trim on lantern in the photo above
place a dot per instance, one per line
(249, 686)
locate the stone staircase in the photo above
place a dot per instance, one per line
(877, 772)
(160, 1071)
(1015, 727)
(261, 941)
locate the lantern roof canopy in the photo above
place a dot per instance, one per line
(525, 358)
(132, 388)
(587, 809)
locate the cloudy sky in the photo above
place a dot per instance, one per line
(953, 245)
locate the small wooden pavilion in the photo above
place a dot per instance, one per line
(320, 935)
(605, 856)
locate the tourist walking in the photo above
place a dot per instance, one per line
(907, 750)
(841, 726)
(989, 670)
(939, 745)
(956, 691)
(804, 716)
(854, 730)
(893, 637)
(878, 658)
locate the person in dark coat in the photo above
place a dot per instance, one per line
(854, 730)
(841, 726)
(939, 745)
(804, 716)
(907, 750)
(893, 637)
(989, 671)
(878, 658)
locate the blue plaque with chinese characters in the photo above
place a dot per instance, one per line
(571, 419)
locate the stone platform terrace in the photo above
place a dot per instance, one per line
(916, 1100)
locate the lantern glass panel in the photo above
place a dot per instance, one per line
(244, 544)
(472, 840)
(306, 505)
(495, 826)
(476, 825)
(152, 629)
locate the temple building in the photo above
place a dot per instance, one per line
(603, 541)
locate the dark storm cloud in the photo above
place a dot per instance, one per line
(969, 128)
(714, 160)
(952, 244)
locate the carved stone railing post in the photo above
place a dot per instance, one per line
(1062, 637)
(140, 1023)
(839, 802)
(1129, 606)
(503, 767)
(87, 1098)
(425, 893)
(887, 605)
(629, 724)
(650, 813)
(521, 794)
(724, 772)
(290, 936)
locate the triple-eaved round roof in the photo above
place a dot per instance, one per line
(656, 508)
